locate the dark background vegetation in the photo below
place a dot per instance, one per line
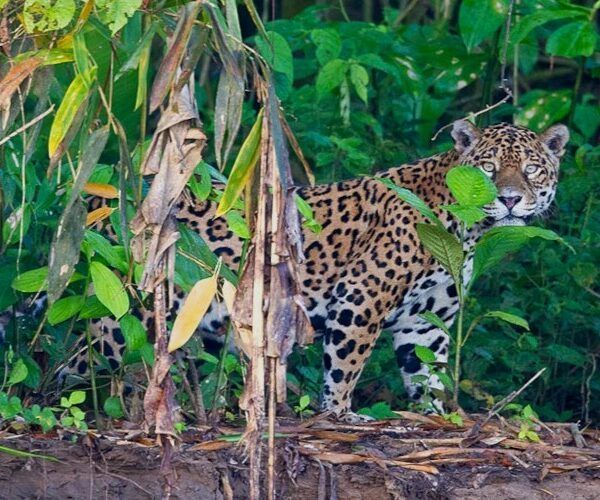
(365, 86)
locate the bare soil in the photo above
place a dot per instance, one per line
(394, 460)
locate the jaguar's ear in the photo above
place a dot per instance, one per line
(555, 139)
(464, 134)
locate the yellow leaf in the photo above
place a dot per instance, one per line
(242, 167)
(102, 190)
(228, 290)
(74, 97)
(98, 215)
(193, 310)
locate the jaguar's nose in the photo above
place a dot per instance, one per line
(510, 201)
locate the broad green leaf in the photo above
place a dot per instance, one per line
(242, 168)
(93, 308)
(32, 281)
(566, 354)
(115, 13)
(360, 79)
(444, 247)
(435, 320)
(466, 214)
(412, 199)
(74, 97)
(237, 224)
(331, 76)
(65, 308)
(18, 373)
(113, 408)
(578, 38)
(134, 332)
(77, 397)
(509, 318)
(528, 23)
(499, 241)
(277, 53)
(478, 20)
(47, 15)
(541, 109)
(109, 289)
(329, 44)
(470, 186)
(201, 186)
(103, 247)
(425, 354)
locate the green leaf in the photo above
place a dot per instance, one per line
(74, 97)
(109, 289)
(103, 247)
(425, 354)
(435, 320)
(277, 53)
(47, 15)
(528, 23)
(113, 408)
(578, 38)
(466, 214)
(304, 401)
(93, 308)
(32, 281)
(18, 372)
(331, 76)
(541, 109)
(114, 13)
(65, 308)
(329, 44)
(444, 247)
(566, 354)
(360, 79)
(202, 185)
(509, 318)
(499, 241)
(134, 332)
(412, 199)
(470, 186)
(242, 168)
(478, 20)
(309, 217)
(77, 397)
(237, 224)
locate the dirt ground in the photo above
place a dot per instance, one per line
(389, 460)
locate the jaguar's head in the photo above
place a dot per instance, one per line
(523, 165)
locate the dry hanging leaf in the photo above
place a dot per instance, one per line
(98, 215)
(101, 190)
(194, 308)
(228, 289)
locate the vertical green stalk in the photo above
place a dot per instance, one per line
(459, 327)
(90, 348)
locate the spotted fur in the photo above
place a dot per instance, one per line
(366, 270)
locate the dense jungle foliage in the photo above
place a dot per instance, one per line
(364, 86)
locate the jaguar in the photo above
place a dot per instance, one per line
(366, 270)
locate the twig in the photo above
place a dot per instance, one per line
(30, 123)
(577, 436)
(502, 403)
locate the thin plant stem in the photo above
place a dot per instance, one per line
(91, 364)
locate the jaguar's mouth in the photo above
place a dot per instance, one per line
(513, 220)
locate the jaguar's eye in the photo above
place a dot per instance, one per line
(531, 169)
(488, 167)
